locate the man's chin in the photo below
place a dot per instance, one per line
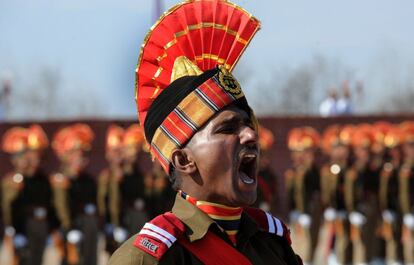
(245, 199)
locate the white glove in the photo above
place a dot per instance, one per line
(9, 231)
(329, 214)
(294, 216)
(19, 241)
(388, 216)
(120, 234)
(357, 219)
(304, 220)
(74, 236)
(409, 221)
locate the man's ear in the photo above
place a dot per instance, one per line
(183, 162)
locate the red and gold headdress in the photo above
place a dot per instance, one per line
(336, 135)
(183, 74)
(303, 138)
(18, 139)
(310, 138)
(407, 128)
(36, 138)
(14, 140)
(393, 137)
(266, 138)
(379, 130)
(117, 136)
(362, 136)
(114, 137)
(134, 135)
(75, 137)
(293, 139)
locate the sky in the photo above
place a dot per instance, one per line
(93, 47)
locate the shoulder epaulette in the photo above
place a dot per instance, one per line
(269, 223)
(159, 234)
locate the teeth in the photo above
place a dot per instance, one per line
(246, 179)
(248, 158)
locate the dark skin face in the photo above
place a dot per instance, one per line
(114, 156)
(130, 154)
(296, 157)
(20, 162)
(309, 156)
(34, 159)
(339, 154)
(220, 162)
(74, 162)
(362, 155)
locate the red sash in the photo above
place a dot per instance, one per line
(158, 235)
(212, 250)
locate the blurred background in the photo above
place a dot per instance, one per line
(315, 64)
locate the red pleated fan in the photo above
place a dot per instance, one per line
(207, 32)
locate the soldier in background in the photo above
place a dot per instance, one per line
(26, 195)
(336, 140)
(108, 189)
(303, 189)
(75, 195)
(133, 214)
(388, 196)
(406, 186)
(361, 196)
(158, 192)
(267, 180)
(378, 149)
(121, 199)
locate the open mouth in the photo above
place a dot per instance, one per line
(247, 168)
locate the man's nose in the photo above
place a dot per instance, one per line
(248, 135)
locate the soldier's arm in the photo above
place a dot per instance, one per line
(59, 190)
(325, 187)
(114, 203)
(404, 190)
(383, 188)
(102, 192)
(128, 254)
(289, 175)
(5, 207)
(350, 176)
(9, 193)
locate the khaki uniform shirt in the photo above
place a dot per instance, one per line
(260, 247)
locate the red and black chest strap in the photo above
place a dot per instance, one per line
(158, 235)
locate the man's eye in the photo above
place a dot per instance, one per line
(226, 129)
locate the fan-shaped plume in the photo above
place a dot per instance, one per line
(207, 32)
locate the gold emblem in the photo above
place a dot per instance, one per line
(228, 82)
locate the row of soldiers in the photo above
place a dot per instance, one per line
(359, 205)
(69, 207)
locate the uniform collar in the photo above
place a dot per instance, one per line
(198, 222)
